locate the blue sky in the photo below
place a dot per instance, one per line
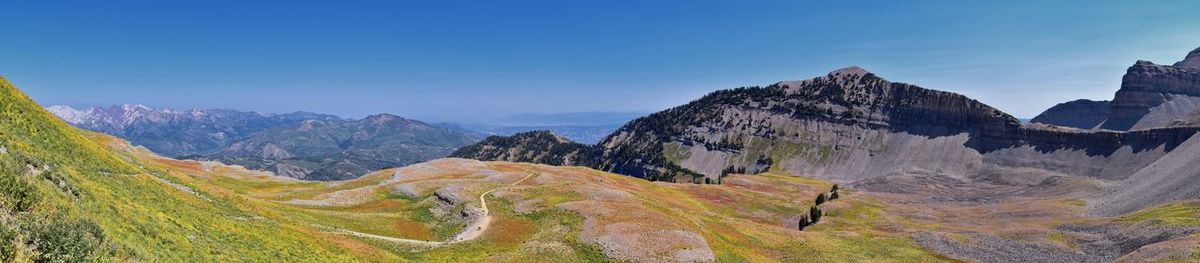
(463, 60)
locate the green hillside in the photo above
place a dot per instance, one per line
(65, 197)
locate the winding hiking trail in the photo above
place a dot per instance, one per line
(470, 232)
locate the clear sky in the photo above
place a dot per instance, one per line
(452, 60)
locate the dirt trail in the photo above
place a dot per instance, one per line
(470, 232)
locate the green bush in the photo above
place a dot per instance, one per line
(65, 240)
(8, 243)
(16, 194)
(820, 198)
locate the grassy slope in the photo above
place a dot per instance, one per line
(141, 216)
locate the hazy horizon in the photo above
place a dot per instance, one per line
(458, 61)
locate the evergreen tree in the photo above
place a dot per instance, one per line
(815, 214)
(803, 222)
(820, 198)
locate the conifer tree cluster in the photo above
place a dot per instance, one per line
(814, 212)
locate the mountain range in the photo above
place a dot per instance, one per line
(299, 145)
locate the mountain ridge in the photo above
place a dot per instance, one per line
(852, 126)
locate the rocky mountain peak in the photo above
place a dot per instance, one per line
(1192, 61)
(67, 113)
(849, 71)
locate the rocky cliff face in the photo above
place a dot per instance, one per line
(1082, 114)
(1151, 96)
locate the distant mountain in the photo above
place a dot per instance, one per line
(178, 133)
(1151, 96)
(589, 134)
(542, 147)
(1083, 114)
(566, 119)
(583, 127)
(300, 145)
(337, 150)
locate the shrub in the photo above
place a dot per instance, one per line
(820, 198)
(65, 240)
(16, 194)
(8, 243)
(803, 222)
(833, 195)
